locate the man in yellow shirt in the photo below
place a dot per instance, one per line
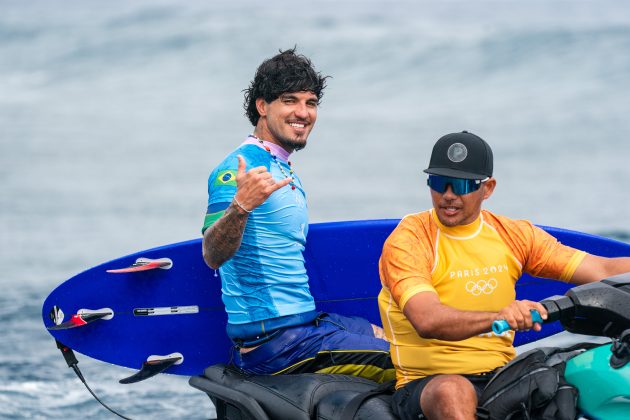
(449, 272)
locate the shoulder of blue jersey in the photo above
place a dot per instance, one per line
(225, 173)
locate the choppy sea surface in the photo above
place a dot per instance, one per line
(113, 113)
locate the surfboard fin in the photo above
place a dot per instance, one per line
(79, 320)
(153, 366)
(145, 264)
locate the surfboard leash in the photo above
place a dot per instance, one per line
(73, 363)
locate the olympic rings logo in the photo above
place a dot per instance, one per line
(481, 286)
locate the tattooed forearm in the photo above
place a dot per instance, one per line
(223, 238)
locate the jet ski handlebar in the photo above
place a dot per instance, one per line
(601, 308)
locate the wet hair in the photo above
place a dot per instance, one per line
(284, 73)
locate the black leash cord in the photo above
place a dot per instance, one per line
(72, 362)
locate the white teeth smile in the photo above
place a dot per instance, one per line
(296, 125)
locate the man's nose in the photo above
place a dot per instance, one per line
(448, 193)
(301, 110)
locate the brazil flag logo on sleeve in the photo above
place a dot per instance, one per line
(225, 178)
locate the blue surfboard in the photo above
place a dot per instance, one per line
(166, 303)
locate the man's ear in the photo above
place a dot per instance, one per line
(488, 188)
(261, 107)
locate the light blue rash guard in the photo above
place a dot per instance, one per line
(266, 278)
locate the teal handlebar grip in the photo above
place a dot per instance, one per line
(500, 326)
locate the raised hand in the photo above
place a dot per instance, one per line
(255, 186)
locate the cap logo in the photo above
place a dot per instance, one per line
(457, 152)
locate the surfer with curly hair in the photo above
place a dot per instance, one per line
(255, 232)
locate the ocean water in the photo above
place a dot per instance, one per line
(113, 113)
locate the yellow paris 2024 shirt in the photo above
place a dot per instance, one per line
(471, 268)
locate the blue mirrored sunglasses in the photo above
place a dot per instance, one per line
(460, 186)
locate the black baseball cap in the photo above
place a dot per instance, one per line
(461, 155)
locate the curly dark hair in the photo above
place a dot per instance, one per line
(284, 73)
